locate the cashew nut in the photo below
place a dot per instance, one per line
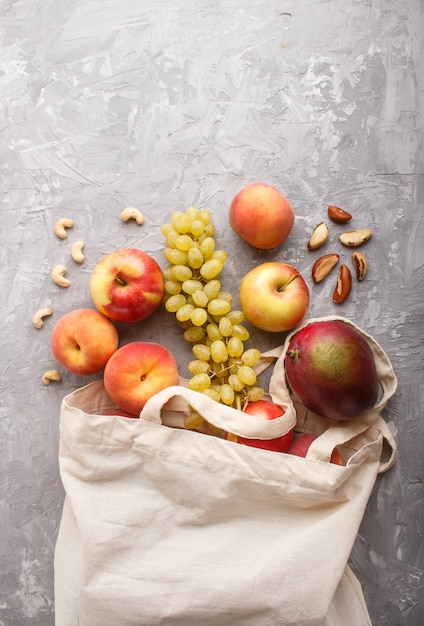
(76, 251)
(51, 375)
(130, 213)
(37, 318)
(61, 226)
(58, 275)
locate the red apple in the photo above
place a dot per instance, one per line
(274, 296)
(83, 341)
(136, 372)
(266, 410)
(261, 215)
(127, 285)
(301, 443)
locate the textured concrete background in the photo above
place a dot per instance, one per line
(160, 105)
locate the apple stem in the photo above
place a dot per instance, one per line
(292, 278)
(120, 281)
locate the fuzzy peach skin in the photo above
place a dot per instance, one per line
(274, 296)
(127, 285)
(261, 215)
(83, 341)
(137, 371)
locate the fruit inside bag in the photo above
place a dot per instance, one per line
(344, 433)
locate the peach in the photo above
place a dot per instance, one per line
(83, 341)
(137, 371)
(261, 215)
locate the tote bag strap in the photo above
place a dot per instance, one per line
(360, 431)
(179, 397)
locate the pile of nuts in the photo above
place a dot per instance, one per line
(352, 239)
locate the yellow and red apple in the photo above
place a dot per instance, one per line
(301, 443)
(127, 285)
(265, 410)
(274, 296)
(83, 341)
(137, 371)
(261, 215)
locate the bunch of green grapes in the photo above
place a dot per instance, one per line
(222, 367)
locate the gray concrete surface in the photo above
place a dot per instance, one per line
(161, 105)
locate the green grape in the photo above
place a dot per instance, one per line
(199, 382)
(172, 287)
(195, 258)
(207, 248)
(213, 332)
(241, 332)
(212, 288)
(198, 367)
(251, 356)
(181, 273)
(194, 334)
(184, 242)
(236, 316)
(201, 351)
(175, 302)
(192, 212)
(226, 394)
(212, 393)
(184, 313)
(221, 255)
(199, 316)
(246, 375)
(181, 222)
(235, 382)
(192, 285)
(171, 237)
(255, 393)
(200, 298)
(218, 351)
(167, 273)
(235, 347)
(166, 228)
(225, 295)
(219, 307)
(175, 256)
(209, 230)
(211, 269)
(193, 420)
(197, 228)
(205, 216)
(225, 327)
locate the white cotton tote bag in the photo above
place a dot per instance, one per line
(166, 526)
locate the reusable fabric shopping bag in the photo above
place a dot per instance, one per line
(167, 526)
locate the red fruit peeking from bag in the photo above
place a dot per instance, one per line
(265, 410)
(330, 367)
(302, 441)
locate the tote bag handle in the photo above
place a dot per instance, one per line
(179, 397)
